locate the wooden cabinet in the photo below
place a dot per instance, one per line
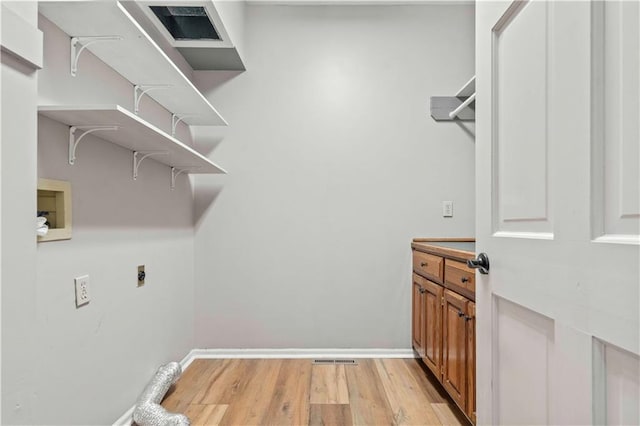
(427, 322)
(471, 361)
(443, 320)
(417, 323)
(454, 347)
(432, 341)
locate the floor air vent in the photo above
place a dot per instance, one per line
(335, 362)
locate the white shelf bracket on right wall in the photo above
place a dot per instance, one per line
(458, 107)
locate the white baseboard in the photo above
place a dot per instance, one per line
(298, 353)
(126, 418)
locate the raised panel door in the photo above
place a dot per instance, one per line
(557, 210)
(454, 347)
(417, 321)
(471, 361)
(432, 314)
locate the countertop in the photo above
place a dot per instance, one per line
(456, 248)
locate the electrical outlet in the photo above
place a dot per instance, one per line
(141, 275)
(447, 209)
(82, 290)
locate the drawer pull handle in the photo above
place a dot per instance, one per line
(464, 279)
(468, 318)
(460, 314)
(423, 264)
(422, 290)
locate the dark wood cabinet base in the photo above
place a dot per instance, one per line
(443, 318)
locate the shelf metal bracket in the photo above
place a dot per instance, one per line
(458, 107)
(176, 118)
(453, 114)
(175, 172)
(78, 44)
(448, 108)
(73, 141)
(139, 90)
(137, 162)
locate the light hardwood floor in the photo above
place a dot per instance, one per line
(296, 392)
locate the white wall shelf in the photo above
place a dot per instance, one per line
(129, 131)
(133, 54)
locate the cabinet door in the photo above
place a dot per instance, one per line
(417, 322)
(432, 343)
(471, 361)
(454, 368)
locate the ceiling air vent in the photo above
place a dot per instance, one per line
(186, 22)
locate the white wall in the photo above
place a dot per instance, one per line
(334, 166)
(63, 365)
(114, 344)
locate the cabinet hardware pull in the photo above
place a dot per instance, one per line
(464, 279)
(423, 264)
(422, 291)
(468, 318)
(460, 314)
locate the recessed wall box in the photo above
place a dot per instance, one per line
(54, 203)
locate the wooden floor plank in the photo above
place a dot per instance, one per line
(216, 415)
(428, 383)
(329, 385)
(369, 404)
(330, 415)
(446, 414)
(228, 379)
(205, 415)
(410, 405)
(196, 376)
(290, 401)
(284, 392)
(248, 406)
(185, 384)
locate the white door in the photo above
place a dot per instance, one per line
(558, 212)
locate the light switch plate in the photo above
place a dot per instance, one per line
(447, 209)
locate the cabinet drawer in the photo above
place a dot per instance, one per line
(428, 265)
(458, 275)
